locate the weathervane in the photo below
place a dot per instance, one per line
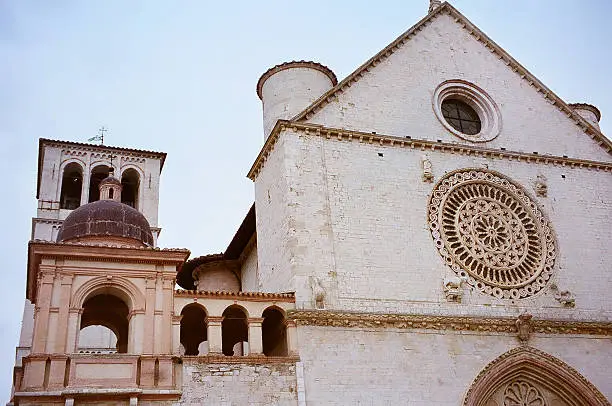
(100, 136)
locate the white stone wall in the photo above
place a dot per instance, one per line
(395, 97)
(360, 227)
(422, 368)
(248, 270)
(275, 223)
(238, 384)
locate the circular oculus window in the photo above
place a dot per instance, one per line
(489, 231)
(467, 111)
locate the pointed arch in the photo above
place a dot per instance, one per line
(528, 366)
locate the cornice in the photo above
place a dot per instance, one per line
(247, 296)
(480, 36)
(248, 359)
(436, 322)
(414, 143)
(295, 64)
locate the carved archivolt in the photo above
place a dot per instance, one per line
(489, 231)
(526, 376)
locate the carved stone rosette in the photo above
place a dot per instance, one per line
(489, 231)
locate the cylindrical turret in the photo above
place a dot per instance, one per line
(287, 89)
(589, 112)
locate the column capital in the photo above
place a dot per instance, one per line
(256, 320)
(214, 320)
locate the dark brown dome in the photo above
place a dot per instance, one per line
(106, 218)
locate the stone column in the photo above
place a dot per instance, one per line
(43, 303)
(292, 344)
(166, 322)
(215, 340)
(74, 324)
(63, 317)
(255, 337)
(149, 322)
(176, 334)
(86, 180)
(136, 334)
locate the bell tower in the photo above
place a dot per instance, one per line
(92, 262)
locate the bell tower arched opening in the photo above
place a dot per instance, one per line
(108, 311)
(234, 331)
(130, 184)
(194, 329)
(97, 174)
(274, 333)
(72, 184)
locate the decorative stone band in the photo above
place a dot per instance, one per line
(249, 296)
(248, 359)
(456, 323)
(413, 143)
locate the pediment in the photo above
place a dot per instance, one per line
(397, 93)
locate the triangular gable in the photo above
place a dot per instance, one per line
(501, 54)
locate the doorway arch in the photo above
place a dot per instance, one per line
(534, 378)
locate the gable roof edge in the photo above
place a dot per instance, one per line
(480, 36)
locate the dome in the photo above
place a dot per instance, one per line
(110, 179)
(106, 218)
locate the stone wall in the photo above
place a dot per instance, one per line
(422, 368)
(360, 226)
(249, 271)
(395, 96)
(239, 384)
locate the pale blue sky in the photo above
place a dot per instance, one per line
(179, 77)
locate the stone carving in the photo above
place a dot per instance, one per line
(452, 289)
(505, 325)
(427, 169)
(566, 298)
(318, 292)
(523, 327)
(541, 187)
(521, 393)
(489, 231)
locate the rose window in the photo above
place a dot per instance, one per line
(489, 231)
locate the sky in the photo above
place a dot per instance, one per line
(179, 77)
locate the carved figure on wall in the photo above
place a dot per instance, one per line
(427, 169)
(541, 187)
(452, 288)
(318, 292)
(523, 327)
(566, 298)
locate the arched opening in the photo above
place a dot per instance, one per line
(97, 340)
(108, 311)
(274, 333)
(234, 331)
(527, 376)
(194, 335)
(97, 174)
(72, 184)
(130, 182)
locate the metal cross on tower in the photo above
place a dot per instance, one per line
(100, 136)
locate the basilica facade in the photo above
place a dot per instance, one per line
(431, 230)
